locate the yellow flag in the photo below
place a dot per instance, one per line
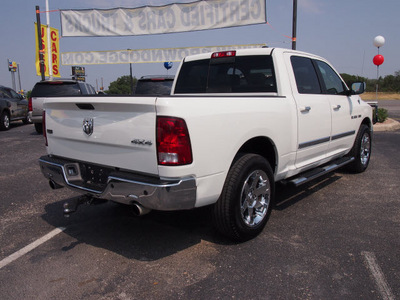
(55, 51)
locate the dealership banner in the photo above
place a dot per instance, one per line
(55, 51)
(142, 55)
(176, 17)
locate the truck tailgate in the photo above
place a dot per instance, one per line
(122, 134)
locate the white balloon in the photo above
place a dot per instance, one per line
(379, 41)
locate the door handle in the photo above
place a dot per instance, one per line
(305, 108)
(336, 107)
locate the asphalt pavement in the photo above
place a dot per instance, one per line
(335, 238)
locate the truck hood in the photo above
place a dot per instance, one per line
(110, 131)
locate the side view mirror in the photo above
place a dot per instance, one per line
(358, 88)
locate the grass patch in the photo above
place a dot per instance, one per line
(381, 96)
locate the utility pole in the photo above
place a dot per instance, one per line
(294, 28)
(19, 78)
(39, 33)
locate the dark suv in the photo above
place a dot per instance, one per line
(13, 107)
(54, 88)
(154, 85)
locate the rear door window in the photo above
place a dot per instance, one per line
(306, 77)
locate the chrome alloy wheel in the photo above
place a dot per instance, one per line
(255, 198)
(365, 149)
(6, 121)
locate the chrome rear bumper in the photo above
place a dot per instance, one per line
(122, 187)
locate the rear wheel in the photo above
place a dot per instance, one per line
(4, 121)
(39, 128)
(27, 120)
(361, 150)
(246, 200)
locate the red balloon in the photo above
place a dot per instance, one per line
(378, 60)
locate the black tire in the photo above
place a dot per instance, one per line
(39, 128)
(4, 121)
(361, 150)
(249, 179)
(27, 120)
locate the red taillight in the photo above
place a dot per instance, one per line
(223, 54)
(173, 142)
(30, 104)
(44, 127)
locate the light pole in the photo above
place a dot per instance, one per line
(130, 72)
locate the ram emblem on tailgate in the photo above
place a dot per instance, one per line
(88, 124)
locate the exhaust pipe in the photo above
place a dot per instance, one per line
(54, 185)
(139, 210)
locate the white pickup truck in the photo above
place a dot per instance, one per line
(236, 123)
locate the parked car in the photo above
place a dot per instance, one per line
(13, 107)
(54, 88)
(154, 85)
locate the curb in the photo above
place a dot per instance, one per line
(388, 125)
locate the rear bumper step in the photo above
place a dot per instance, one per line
(318, 172)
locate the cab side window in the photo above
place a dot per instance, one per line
(333, 83)
(306, 77)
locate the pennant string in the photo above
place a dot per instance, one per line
(286, 36)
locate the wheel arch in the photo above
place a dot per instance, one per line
(7, 111)
(368, 122)
(263, 146)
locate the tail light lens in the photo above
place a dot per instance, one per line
(44, 127)
(30, 104)
(173, 142)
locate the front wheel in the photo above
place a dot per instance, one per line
(361, 150)
(246, 200)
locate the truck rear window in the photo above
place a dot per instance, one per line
(56, 89)
(154, 86)
(239, 74)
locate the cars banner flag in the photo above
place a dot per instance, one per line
(55, 51)
(176, 17)
(142, 55)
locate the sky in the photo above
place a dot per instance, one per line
(342, 31)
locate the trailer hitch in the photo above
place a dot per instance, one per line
(72, 205)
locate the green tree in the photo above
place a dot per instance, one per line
(121, 86)
(350, 79)
(389, 83)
